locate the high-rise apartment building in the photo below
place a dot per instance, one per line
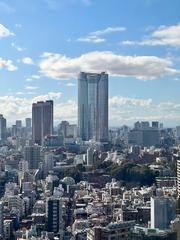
(28, 123)
(42, 120)
(54, 215)
(93, 106)
(2, 128)
(32, 156)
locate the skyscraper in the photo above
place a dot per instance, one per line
(42, 120)
(2, 128)
(93, 106)
(28, 123)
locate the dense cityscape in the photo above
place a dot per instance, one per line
(88, 181)
(89, 120)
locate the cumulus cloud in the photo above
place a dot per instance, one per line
(125, 110)
(119, 101)
(59, 66)
(7, 64)
(48, 96)
(5, 32)
(122, 110)
(162, 36)
(95, 37)
(28, 61)
(19, 107)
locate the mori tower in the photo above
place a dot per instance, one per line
(93, 106)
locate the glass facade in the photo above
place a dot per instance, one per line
(93, 106)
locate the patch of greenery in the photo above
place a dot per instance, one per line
(129, 172)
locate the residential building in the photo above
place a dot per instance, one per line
(32, 156)
(42, 120)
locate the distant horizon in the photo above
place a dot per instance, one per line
(44, 44)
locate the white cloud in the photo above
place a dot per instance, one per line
(28, 61)
(19, 93)
(59, 66)
(91, 39)
(8, 65)
(4, 32)
(35, 76)
(125, 110)
(31, 93)
(128, 42)
(19, 49)
(162, 36)
(70, 84)
(122, 110)
(31, 87)
(28, 80)
(108, 30)
(94, 37)
(48, 96)
(119, 101)
(18, 107)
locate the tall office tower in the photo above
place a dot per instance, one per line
(32, 156)
(42, 120)
(93, 106)
(18, 123)
(28, 123)
(163, 211)
(2, 128)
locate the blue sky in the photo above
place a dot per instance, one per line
(45, 43)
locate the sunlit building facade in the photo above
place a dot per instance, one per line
(93, 106)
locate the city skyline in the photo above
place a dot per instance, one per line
(89, 119)
(45, 44)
